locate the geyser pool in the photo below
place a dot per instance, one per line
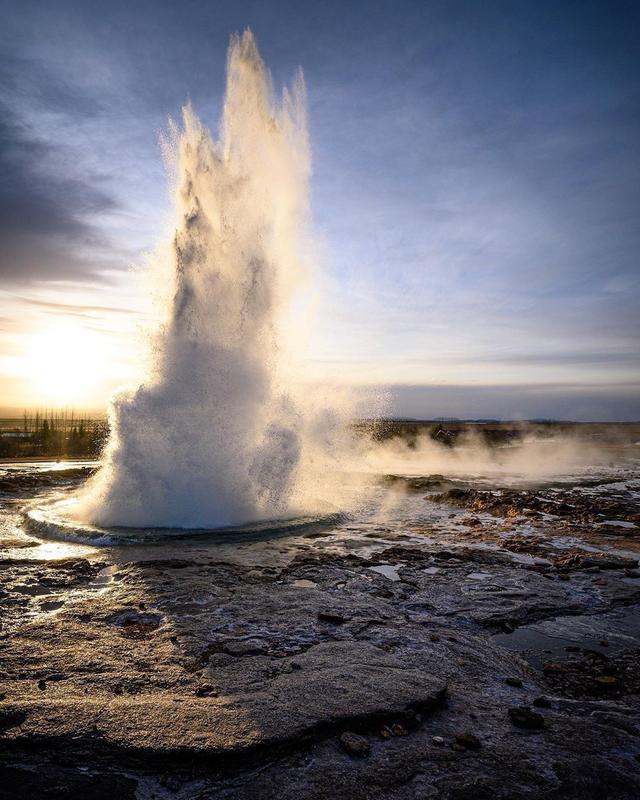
(219, 432)
(57, 519)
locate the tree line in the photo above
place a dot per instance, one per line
(52, 433)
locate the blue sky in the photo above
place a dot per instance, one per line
(475, 194)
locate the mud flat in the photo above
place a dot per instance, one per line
(469, 642)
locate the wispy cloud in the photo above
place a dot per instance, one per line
(56, 307)
(46, 217)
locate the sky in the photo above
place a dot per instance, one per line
(475, 192)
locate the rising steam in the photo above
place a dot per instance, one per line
(530, 458)
(217, 433)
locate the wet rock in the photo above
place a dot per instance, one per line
(171, 782)
(57, 782)
(245, 647)
(606, 680)
(553, 667)
(468, 741)
(398, 730)
(591, 564)
(598, 675)
(354, 744)
(11, 718)
(345, 683)
(455, 494)
(206, 690)
(478, 788)
(135, 624)
(420, 484)
(332, 617)
(524, 717)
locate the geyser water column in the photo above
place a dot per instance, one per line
(215, 435)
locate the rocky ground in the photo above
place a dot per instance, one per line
(469, 642)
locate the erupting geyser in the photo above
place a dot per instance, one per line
(216, 434)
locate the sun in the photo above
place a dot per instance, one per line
(65, 362)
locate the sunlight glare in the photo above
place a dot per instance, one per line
(65, 362)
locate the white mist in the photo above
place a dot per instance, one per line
(217, 432)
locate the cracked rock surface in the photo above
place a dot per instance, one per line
(466, 643)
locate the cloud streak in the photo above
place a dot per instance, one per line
(45, 217)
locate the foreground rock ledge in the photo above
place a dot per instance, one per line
(314, 665)
(334, 684)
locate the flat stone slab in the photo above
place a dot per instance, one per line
(333, 685)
